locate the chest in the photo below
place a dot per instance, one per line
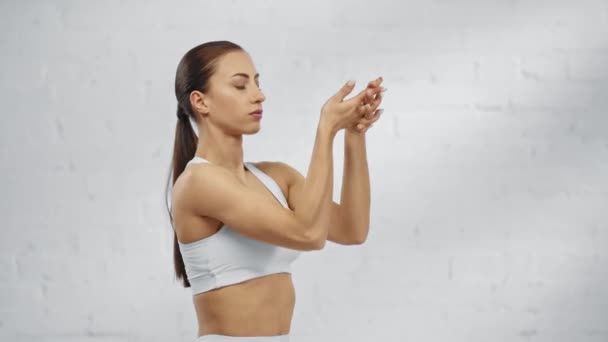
(275, 188)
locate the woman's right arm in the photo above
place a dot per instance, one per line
(214, 192)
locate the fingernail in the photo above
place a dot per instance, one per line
(384, 89)
(380, 111)
(351, 83)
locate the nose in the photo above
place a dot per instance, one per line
(259, 96)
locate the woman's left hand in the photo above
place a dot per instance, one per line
(369, 107)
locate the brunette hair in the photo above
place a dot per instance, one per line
(193, 73)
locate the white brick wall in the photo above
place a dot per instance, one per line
(488, 167)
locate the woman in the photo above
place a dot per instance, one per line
(239, 225)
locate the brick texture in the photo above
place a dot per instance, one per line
(489, 189)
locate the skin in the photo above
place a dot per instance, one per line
(264, 306)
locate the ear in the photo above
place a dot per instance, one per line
(199, 102)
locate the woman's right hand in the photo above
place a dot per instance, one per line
(338, 113)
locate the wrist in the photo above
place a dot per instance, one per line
(327, 128)
(353, 133)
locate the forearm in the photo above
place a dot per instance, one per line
(319, 178)
(320, 229)
(355, 197)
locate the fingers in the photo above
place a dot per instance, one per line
(363, 106)
(366, 95)
(378, 99)
(374, 87)
(345, 90)
(369, 95)
(359, 99)
(364, 110)
(375, 83)
(365, 124)
(373, 118)
(367, 109)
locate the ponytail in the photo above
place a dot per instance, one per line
(184, 148)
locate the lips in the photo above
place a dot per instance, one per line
(257, 112)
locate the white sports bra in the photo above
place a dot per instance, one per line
(227, 257)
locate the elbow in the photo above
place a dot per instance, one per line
(361, 238)
(316, 241)
(319, 244)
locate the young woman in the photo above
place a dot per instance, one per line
(239, 225)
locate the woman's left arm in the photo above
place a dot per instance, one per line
(354, 204)
(352, 215)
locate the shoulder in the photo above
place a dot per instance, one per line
(200, 179)
(283, 173)
(198, 173)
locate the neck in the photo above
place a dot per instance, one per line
(223, 150)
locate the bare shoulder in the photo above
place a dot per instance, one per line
(198, 177)
(281, 172)
(194, 173)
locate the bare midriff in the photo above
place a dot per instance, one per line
(257, 307)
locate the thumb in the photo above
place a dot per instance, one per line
(345, 90)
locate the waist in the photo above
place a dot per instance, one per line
(258, 307)
(226, 338)
(206, 280)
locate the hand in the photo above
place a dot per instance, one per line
(368, 109)
(340, 113)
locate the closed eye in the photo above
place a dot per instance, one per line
(243, 87)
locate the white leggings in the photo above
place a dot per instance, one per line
(225, 338)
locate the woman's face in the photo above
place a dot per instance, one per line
(233, 94)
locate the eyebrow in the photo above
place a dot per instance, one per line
(245, 75)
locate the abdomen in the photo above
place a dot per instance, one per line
(257, 307)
